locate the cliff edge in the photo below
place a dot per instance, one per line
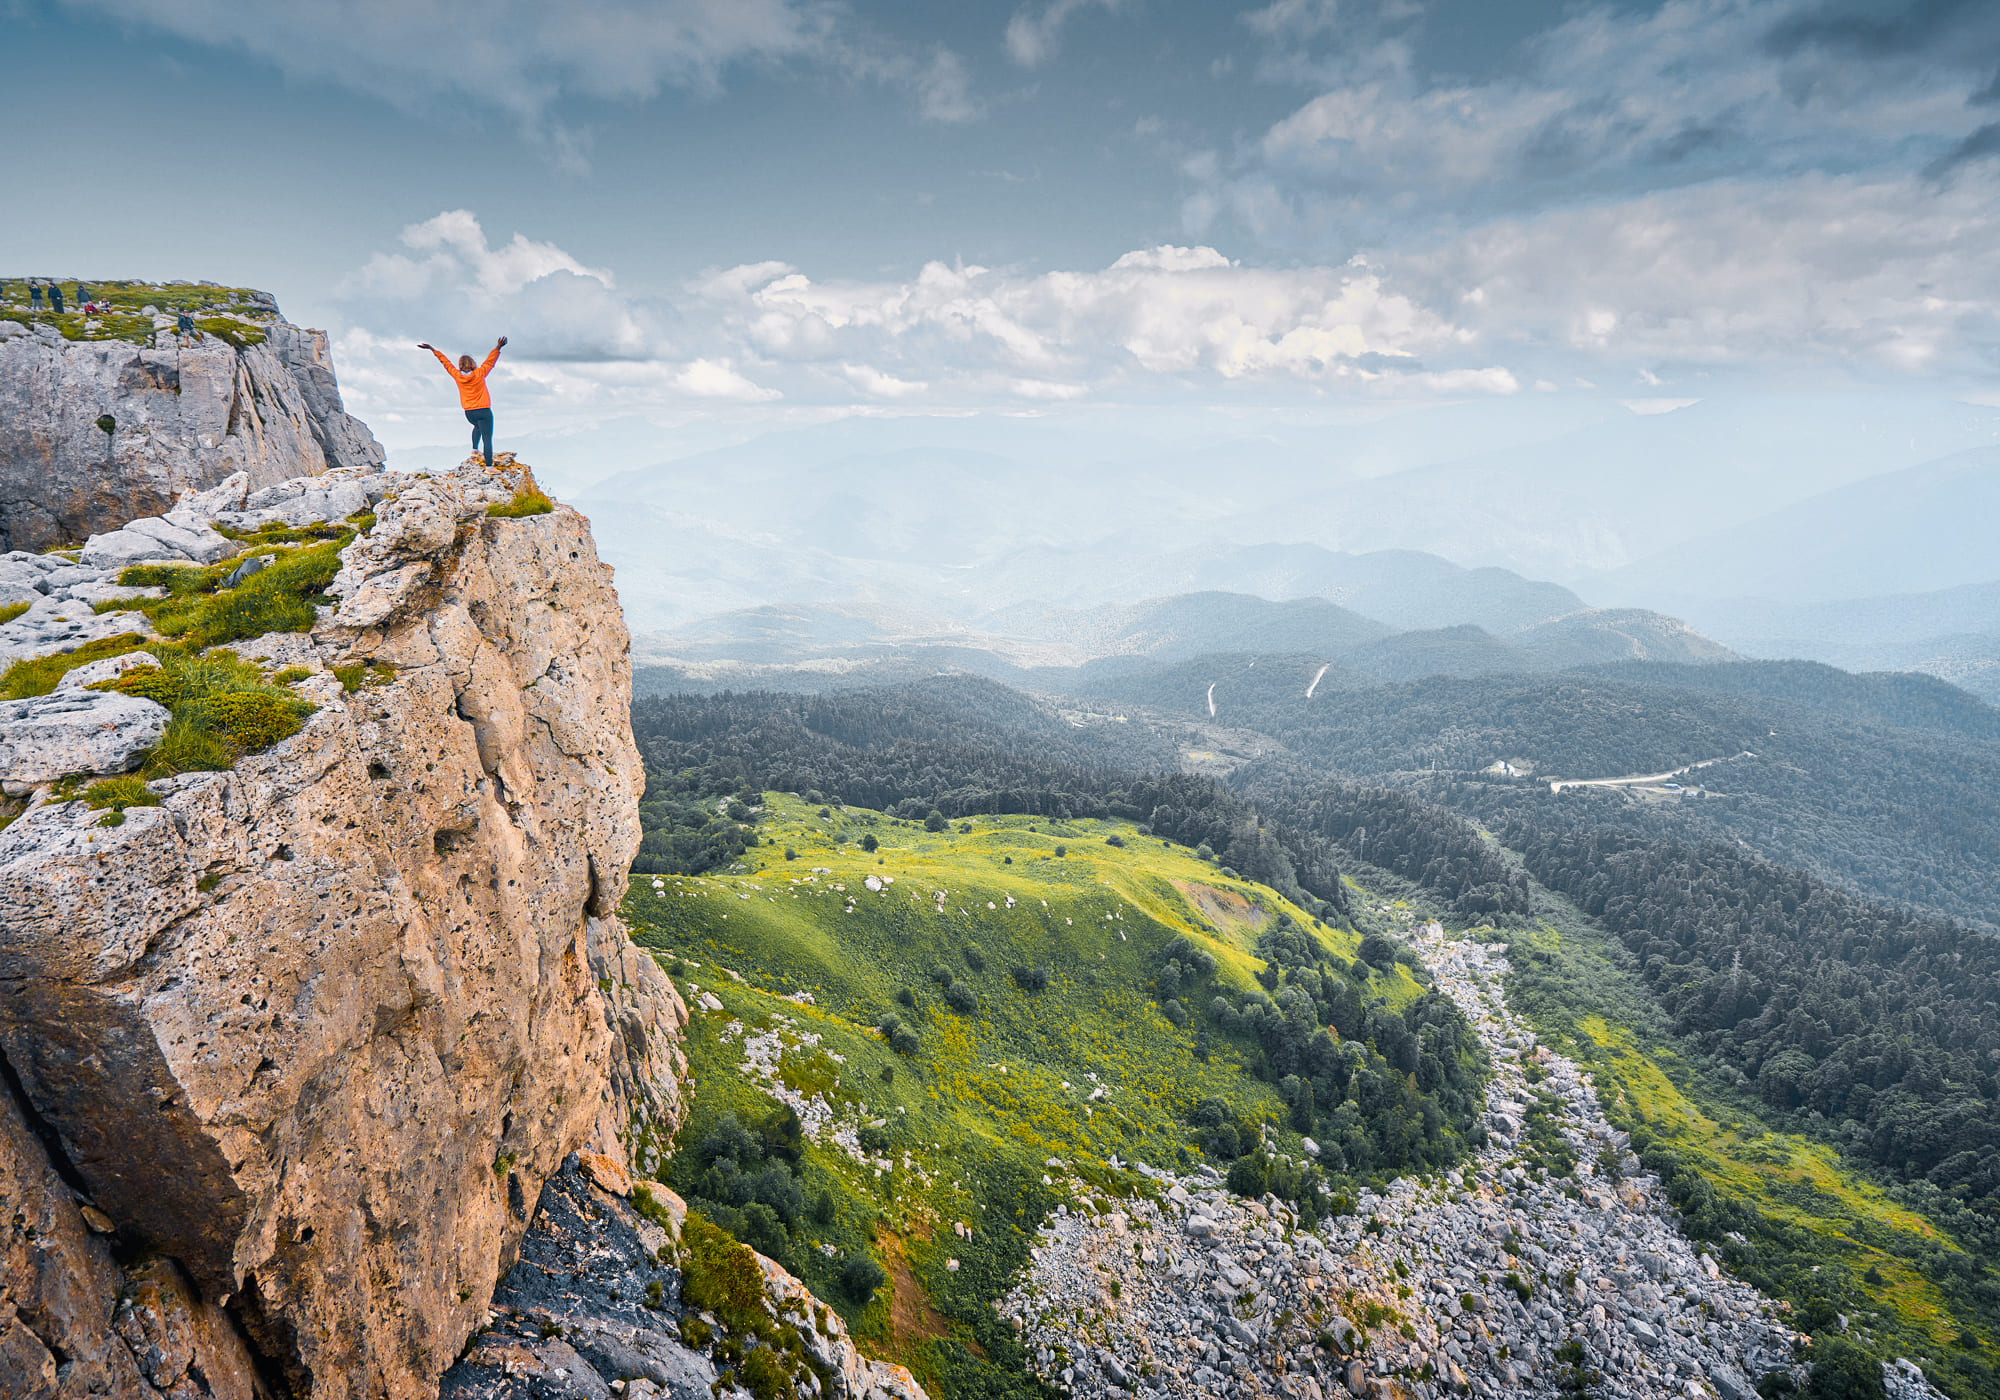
(108, 416)
(288, 1055)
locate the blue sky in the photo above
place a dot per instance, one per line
(747, 212)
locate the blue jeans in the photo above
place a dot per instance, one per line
(481, 420)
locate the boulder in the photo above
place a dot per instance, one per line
(118, 549)
(75, 731)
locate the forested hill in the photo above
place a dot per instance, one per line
(1889, 785)
(959, 747)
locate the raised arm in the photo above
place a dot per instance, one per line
(492, 357)
(449, 368)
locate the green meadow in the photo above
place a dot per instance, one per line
(1017, 957)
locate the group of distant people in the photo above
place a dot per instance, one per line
(37, 290)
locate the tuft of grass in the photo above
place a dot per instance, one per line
(113, 795)
(356, 674)
(278, 533)
(529, 500)
(229, 331)
(38, 675)
(10, 611)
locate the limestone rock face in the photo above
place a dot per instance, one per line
(75, 731)
(181, 419)
(315, 1030)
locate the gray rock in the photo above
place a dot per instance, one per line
(120, 548)
(183, 419)
(202, 545)
(74, 731)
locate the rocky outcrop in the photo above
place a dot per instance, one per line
(312, 1033)
(594, 1308)
(96, 432)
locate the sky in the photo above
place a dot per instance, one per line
(728, 215)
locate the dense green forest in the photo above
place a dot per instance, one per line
(1889, 785)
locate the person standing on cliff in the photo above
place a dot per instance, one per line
(55, 298)
(35, 295)
(472, 395)
(183, 328)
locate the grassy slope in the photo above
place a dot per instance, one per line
(125, 320)
(971, 1139)
(1815, 1224)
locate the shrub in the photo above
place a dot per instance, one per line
(860, 1276)
(959, 998)
(869, 843)
(1249, 1175)
(1031, 979)
(1174, 1011)
(255, 719)
(1062, 850)
(1115, 840)
(529, 500)
(975, 957)
(791, 854)
(935, 821)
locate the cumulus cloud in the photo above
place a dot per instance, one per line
(453, 285)
(1156, 320)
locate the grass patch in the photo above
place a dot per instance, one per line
(529, 500)
(200, 613)
(113, 795)
(356, 674)
(221, 708)
(230, 332)
(39, 675)
(128, 318)
(10, 611)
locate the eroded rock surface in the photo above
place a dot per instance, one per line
(180, 419)
(314, 1031)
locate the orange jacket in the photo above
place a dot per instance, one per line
(471, 386)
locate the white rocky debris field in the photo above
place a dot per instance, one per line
(1483, 1280)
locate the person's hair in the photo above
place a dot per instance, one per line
(465, 363)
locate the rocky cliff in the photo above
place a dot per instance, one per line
(288, 1056)
(106, 418)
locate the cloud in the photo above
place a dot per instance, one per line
(1156, 321)
(1032, 34)
(1607, 104)
(452, 285)
(528, 59)
(514, 54)
(718, 379)
(944, 90)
